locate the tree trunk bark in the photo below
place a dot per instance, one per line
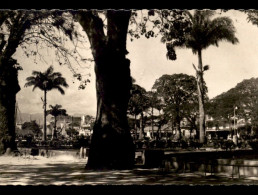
(45, 117)
(201, 98)
(9, 86)
(111, 145)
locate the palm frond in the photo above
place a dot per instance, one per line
(35, 86)
(59, 89)
(49, 71)
(30, 83)
(56, 74)
(60, 81)
(48, 112)
(222, 29)
(31, 78)
(36, 73)
(206, 32)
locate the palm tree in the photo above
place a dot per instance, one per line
(202, 33)
(55, 111)
(46, 81)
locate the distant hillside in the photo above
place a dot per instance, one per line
(78, 115)
(25, 117)
(244, 96)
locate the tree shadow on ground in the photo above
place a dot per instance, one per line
(73, 173)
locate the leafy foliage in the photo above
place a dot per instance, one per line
(252, 16)
(172, 25)
(179, 95)
(32, 125)
(154, 100)
(33, 31)
(71, 132)
(139, 101)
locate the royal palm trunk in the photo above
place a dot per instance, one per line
(201, 98)
(45, 117)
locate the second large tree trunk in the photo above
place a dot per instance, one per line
(111, 145)
(8, 88)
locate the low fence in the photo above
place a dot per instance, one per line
(234, 168)
(238, 163)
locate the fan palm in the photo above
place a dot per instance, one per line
(202, 33)
(46, 81)
(56, 111)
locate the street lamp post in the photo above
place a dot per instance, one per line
(235, 133)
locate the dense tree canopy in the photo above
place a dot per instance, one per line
(179, 94)
(32, 125)
(139, 101)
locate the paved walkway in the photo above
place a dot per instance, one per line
(67, 170)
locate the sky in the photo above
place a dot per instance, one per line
(229, 65)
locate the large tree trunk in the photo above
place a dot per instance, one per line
(201, 98)
(111, 145)
(8, 88)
